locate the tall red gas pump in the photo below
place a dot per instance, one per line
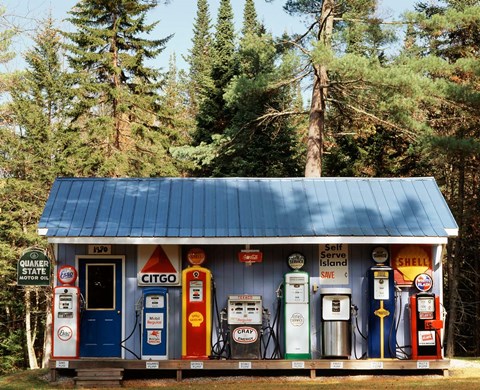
(196, 308)
(426, 320)
(66, 315)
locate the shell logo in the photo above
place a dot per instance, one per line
(412, 260)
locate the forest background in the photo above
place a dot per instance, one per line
(351, 94)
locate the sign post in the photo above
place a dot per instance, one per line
(33, 268)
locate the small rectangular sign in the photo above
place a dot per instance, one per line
(423, 365)
(196, 365)
(245, 365)
(376, 365)
(61, 364)
(336, 365)
(152, 365)
(99, 249)
(298, 364)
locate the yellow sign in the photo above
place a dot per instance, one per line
(411, 260)
(195, 318)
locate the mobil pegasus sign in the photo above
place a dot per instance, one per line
(159, 265)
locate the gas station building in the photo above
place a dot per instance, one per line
(248, 273)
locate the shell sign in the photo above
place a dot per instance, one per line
(410, 260)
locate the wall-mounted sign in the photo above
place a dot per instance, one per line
(33, 268)
(410, 260)
(159, 265)
(333, 263)
(250, 256)
(99, 249)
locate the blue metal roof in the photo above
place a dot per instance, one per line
(180, 210)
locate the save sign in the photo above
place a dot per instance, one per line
(333, 264)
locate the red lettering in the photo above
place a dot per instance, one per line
(328, 275)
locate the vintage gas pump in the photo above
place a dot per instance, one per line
(196, 308)
(336, 322)
(244, 318)
(297, 310)
(381, 329)
(154, 323)
(66, 315)
(426, 320)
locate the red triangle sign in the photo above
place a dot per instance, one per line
(158, 263)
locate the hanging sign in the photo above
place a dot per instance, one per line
(333, 264)
(33, 268)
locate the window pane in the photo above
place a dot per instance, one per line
(100, 286)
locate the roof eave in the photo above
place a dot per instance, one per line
(249, 240)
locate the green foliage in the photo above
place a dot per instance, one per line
(116, 110)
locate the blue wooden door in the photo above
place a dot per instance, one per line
(100, 282)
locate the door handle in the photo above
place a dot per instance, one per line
(118, 312)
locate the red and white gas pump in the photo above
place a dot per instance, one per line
(426, 321)
(196, 308)
(66, 315)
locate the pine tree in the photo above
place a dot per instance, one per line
(115, 113)
(26, 170)
(213, 116)
(199, 59)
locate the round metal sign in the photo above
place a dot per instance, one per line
(296, 260)
(380, 255)
(67, 275)
(196, 256)
(423, 282)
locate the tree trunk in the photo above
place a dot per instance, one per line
(47, 337)
(454, 258)
(32, 358)
(316, 124)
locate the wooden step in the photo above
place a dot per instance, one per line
(93, 377)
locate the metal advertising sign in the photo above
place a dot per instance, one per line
(159, 265)
(33, 268)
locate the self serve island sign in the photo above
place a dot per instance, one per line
(159, 265)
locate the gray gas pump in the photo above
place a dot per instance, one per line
(336, 322)
(244, 318)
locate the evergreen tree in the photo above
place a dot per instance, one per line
(199, 60)
(115, 115)
(25, 169)
(214, 116)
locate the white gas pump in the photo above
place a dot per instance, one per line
(244, 318)
(297, 316)
(66, 315)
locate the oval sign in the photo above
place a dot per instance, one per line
(245, 335)
(296, 260)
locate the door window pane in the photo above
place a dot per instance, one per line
(100, 286)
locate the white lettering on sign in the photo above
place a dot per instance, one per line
(333, 262)
(157, 279)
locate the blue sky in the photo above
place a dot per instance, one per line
(176, 17)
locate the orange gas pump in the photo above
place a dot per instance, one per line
(426, 321)
(196, 308)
